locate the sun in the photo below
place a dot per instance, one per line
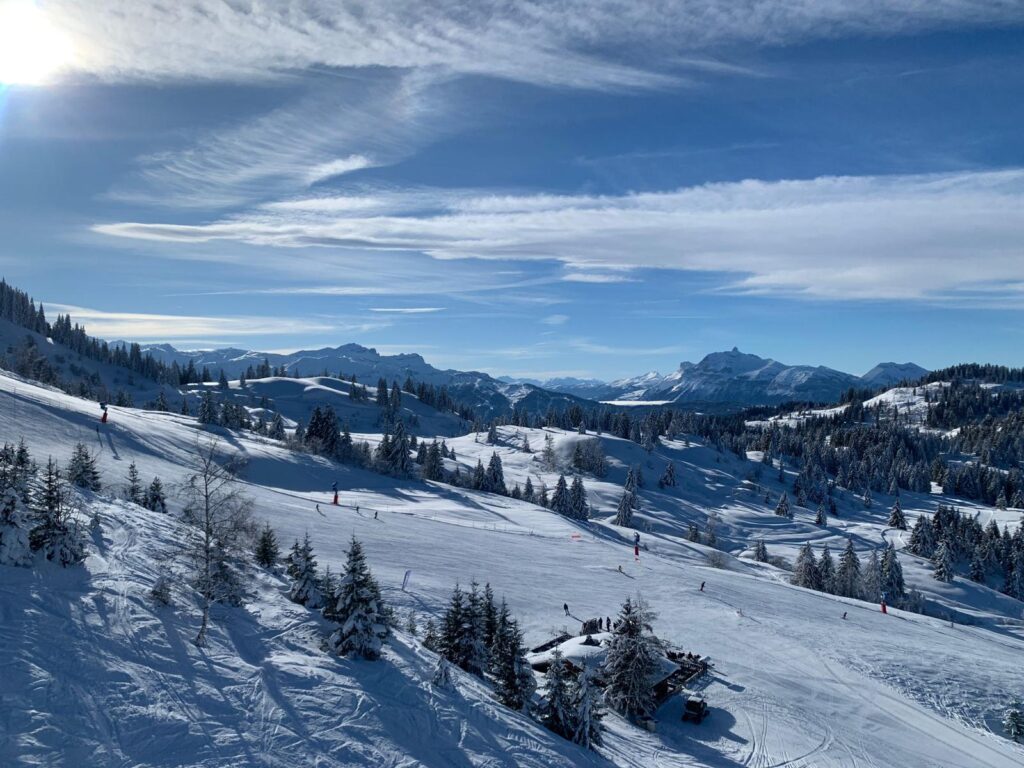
(31, 48)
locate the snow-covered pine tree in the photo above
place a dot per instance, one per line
(760, 551)
(668, 477)
(133, 492)
(805, 569)
(557, 708)
(207, 409)
(632, 661)
(267, 551)
(922, 538)
(276, 429)
(578, 507)
(871, 577)
(892, 574)
(548, 459)
(495, 476)
(431, 641)
(978, 558)
(560, 498)
(479, 480)
(305, 588)
(587, 712)
(624, 512)
(14, 540)
(1013, 720)
(896, 518)
(490, 611)
(782, 508)
(442, 674)
(826, 571)
(56, 536)
(492, 434)
(942, 562)
(154, 499)
(821, 517)
(359, 609)
(433, 466)
(513, 678)
(847, 581)
(1014, 586)
(475, 631)
(528, 493)
(82, 470)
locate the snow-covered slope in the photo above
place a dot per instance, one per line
(102, 677)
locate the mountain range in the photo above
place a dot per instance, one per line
(735, 378)
(723, 379)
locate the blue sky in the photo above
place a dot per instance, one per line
(567, 188)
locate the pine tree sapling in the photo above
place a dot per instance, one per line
(267, 551)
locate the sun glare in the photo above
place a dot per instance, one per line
(31, 49)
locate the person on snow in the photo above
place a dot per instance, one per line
(844, 615)
(565, 607)
(607, 623)
(702, 586)
(375, 514)
(334, 487)
(318, 509)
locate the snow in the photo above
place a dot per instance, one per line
(96, 674)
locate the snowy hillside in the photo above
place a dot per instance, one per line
(102, 676)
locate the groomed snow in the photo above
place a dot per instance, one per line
(100, 676)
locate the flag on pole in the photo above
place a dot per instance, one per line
(405, 580)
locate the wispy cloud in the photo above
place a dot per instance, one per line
(325, 132)
(579, 43)
(596, 277)
(871, 237)
(147, 326)
(555, 320)
(408, 310)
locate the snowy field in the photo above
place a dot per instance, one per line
(97, 675)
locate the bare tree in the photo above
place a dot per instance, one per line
(220, 525)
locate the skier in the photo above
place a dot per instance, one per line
(607, 623)
(844, 615)
(636, 545)
(103, 418)
(565, 607)
(318, 509)
(375, 514)
(883, 604)
(702, 586)
(334, 487)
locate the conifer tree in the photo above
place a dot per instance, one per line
(578, 507)
(495, 477)
(632, 661)
(892, 584)
(359, 609)
(896, 518)
(805, 569)
(207, 409)
(782, 508)
(513, 678)
(433, 466)
(827, 570)
(760, 552)
(305, 589)
(276, 429)
(154, 499)
(267, 550)
(558, 708)
(942, 562)
(14, 540)
(56, 536)
(528, 492)
(479, 479)
(668, 477)
(922, 538)
(624, 512)
(847, 581)
(82, 470)
(586, 709)
(871, 577)
(560, 498)
(1013, 720)
(134, 489)
(821, 517)
(977, 572)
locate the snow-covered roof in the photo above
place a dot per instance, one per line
(577, 650)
